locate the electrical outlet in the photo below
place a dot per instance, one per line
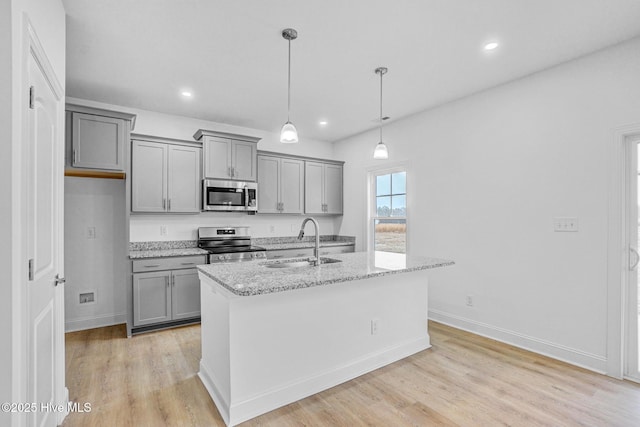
(469, 300)
(91, 232)
(374, 326)
(561, 224)
(163, 230)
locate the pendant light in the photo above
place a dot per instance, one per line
(381, 152)
(289, 133)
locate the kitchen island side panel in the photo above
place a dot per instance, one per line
(288, 345)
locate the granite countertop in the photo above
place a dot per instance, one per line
(254, 278)
(277, 243)
(166, 248)
(298, 245)
(162, 253)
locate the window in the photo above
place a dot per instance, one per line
(389, 215)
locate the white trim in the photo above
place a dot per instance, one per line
(372, 171)
(90, 322)
(560, 352)
(616, 237)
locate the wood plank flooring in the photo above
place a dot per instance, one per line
(464, 380)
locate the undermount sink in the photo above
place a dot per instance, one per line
(300, 263)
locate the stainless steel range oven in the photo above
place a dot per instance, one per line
(229, 244)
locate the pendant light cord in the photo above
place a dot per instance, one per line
(381, 73)
(289, 84)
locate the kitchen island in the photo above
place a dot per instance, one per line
(277, 331)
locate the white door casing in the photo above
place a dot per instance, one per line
(43, 230)
(619, 275)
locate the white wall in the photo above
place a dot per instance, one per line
(183, 227)
(487, 176)
(95, 264)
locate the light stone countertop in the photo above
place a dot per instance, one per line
(160, 253)
(254, 278)
(298, 245)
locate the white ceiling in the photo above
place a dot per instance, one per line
(142, 53)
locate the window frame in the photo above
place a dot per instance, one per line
(371, 210)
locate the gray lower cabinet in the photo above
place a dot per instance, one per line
(165, 295)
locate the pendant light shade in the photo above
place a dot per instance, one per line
(289, 133)
(381, 152)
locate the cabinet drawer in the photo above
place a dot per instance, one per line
(337, 249)
(172, 263)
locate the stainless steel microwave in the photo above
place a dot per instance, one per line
(229, 196)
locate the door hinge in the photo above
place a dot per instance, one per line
(31, 270)
(32, 96)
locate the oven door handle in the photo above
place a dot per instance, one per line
(246, 198)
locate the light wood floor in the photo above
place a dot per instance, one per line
(465, 380)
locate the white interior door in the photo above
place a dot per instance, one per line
(44, 204)
(632, 364)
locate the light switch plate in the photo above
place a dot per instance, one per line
(561, 224)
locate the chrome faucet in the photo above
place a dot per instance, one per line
(316, 250)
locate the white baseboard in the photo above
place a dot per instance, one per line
(91, 322)
(283, 394)
(560, 352)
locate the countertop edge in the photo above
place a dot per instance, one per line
(271, 290)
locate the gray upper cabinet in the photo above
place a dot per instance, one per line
(228, 156)
(280, 185)
(323, 188)
(97, 138)
(165, 177)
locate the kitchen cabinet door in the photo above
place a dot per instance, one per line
(333, 189)
(268, 184)
(314, 188)
(185, 294)
(217, 162)
(291, 186)
(323, 188)
(183, 179)
(148, 176)
(151, 298)
(98, 142)
(243, 160)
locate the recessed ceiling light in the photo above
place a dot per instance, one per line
(323, 123)
(186, 94)
(491, 46)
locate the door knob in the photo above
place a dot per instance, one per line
(59, 280)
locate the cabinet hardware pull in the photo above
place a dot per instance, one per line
(233, 171)
(164, 204)
(75, 157)
(187, 263)
(169, 205)
(229, 171)
(166, 279)
(155, 265)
